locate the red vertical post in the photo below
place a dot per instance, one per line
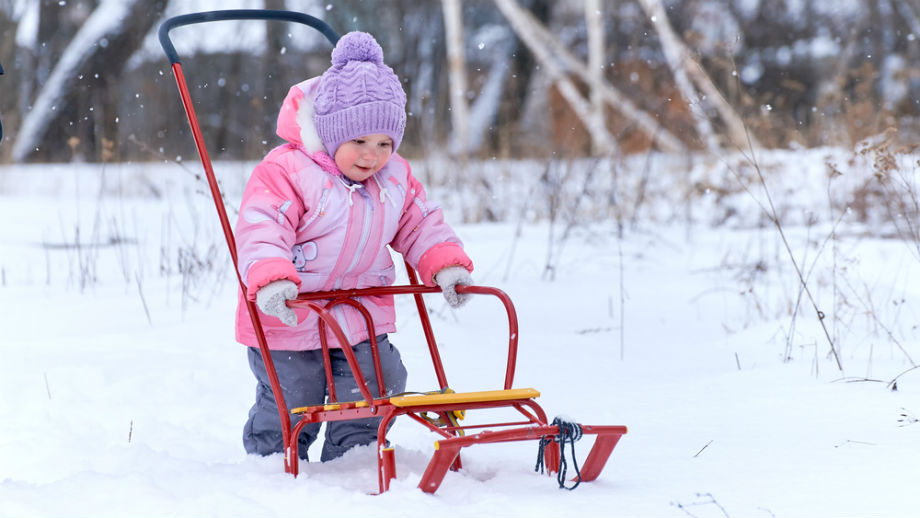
(426, 327)
(231, 244)
(388, 465)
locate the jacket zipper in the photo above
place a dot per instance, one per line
(362, 241)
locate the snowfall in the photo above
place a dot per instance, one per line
(679, 315)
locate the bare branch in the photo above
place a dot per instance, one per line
(684, 66)
(537, 38)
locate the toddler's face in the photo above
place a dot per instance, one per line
(360, 158)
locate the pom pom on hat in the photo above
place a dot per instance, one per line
(357, 46)
(359, 95)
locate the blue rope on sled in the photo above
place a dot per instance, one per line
(569, 432)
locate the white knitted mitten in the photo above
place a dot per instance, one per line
(271, 300)
(448, 279)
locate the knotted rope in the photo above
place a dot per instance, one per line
(569, 432)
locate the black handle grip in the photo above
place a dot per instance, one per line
(238, 14)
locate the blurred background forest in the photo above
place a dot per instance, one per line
(86, 80)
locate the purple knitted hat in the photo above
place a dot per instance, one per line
(359, 95)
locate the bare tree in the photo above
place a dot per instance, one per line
(685, 68)
(1, 114)
(600, 136)
(453, 29)
(595, 25)
(909, 12)
(96, 53)
(498, 43)
(548, 49)
(8, 25)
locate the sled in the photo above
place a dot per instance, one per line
(528, 421)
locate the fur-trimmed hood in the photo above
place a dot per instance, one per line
(295, 120)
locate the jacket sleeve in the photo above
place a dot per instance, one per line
(424, 238)
(269, 214)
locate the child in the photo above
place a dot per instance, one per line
(318, 214)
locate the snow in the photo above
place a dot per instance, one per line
(124, 392)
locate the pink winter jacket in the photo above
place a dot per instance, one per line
(301, 220)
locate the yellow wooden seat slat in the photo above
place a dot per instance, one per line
(463, 397)
(331, 406)
(430, 399)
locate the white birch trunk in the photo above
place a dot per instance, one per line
(600, 137)
(483, 111)
(105, 20)
(907, 12)
(459, 110)
(684, 66)
(523, 20)
(675, 56)
(595, 25)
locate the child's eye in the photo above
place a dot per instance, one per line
(358, 141)
(386, 144)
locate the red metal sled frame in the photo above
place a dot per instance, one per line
(534, 425)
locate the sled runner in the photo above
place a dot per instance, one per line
(441, 410)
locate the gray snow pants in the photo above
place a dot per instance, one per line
(303, 383)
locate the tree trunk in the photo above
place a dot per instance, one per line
(86, 72)
(686, 68)
(675, 57)
(7, 50)
(595, 25)
(538, 35)
(484, 110)
(909, 13)
(459, 111)
(600, 136)
(273, 64)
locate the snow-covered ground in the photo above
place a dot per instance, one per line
(123, 392)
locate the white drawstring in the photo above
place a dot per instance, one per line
(384, 194)
(351, 190)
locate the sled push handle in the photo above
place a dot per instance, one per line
(238, 14)
(188, 106)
